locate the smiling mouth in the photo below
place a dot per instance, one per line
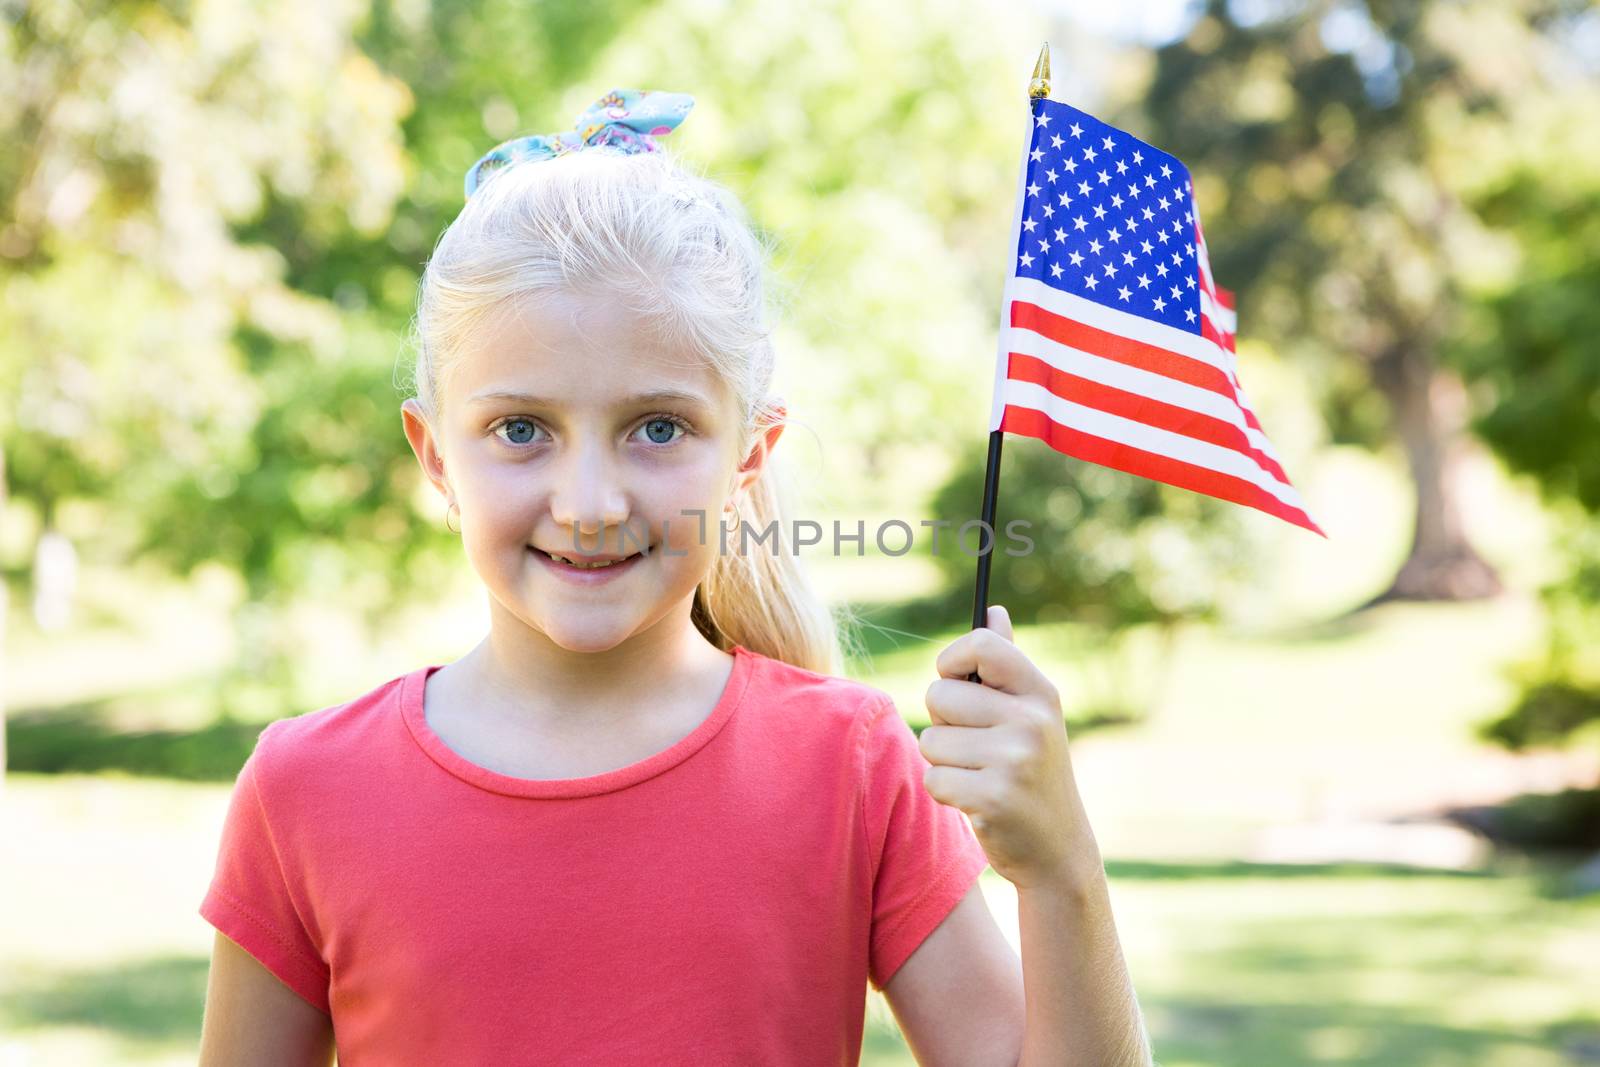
(578, 565)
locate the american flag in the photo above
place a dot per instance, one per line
(1116, 345)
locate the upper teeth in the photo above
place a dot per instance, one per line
(587, 566)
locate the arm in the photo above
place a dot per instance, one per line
(253, 1020)
(958, 997)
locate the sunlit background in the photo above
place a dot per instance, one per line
(1348, 790)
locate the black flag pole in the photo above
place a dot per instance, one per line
(1038, 87)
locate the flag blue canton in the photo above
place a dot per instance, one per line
(1109, 218)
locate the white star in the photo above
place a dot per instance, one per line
(1144, 281)
(1055, 270)
(1163, 235)
(1094, 246)
(1088, 153)
(1049, 212)
(1077, 131)
(1028, 224)
(1145, 247)
(1099, 211)
(1176, 295)
(1188, 313)
(1191, 251)
(1190, 280)
(1137, 156)
(1105, 179)
(1160, 304)
(1164, 204)
(1036, 155)
(1161, 269)
(1027, 260)
(1083, 188)
(1076, 258)
(1124, 293)
(1033, 190)
(1079, 223)
(1111, 271)
(1177, 194)
(1071, 164)
(1148, 214)
(1188, 216)
(1044, 244)
(1066, 199)
(1089, 281)
(1115, 236)
(1044, 118)
(1107, 142)
(1177, 261)
(1131, 224)
(1150, 181)
(1133, 190)
(1116, 200)
(1166, 171)
(1127, 258)
(1122, 168)
(1061, 235)
(1055, 141)
(1177, 227)
(1050, 174)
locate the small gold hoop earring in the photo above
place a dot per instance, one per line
(452, 507)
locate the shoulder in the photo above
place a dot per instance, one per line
(810, 701)
(322, 741)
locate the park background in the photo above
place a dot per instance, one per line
(1345, 788)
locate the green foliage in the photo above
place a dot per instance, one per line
(1108, 548)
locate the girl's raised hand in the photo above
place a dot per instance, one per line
(998, 750)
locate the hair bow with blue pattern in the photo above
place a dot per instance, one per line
(624, 120)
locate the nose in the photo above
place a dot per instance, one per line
(587, 499)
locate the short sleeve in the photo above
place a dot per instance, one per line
(249, 898)
(924, 854)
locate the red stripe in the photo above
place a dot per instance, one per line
(1140, 408)
(1076, 443)
(1109, 345)
(1225, 297)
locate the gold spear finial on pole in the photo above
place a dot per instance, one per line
(1039, 87)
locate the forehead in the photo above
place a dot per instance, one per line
(580, 349)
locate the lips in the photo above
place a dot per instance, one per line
(586, 575)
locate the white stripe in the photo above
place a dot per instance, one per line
(1222, 319)
(1111, 320)
(1142, 382)
(1149, 439)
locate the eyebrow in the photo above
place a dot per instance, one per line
(655, 396)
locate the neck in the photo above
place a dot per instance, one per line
(518, 667)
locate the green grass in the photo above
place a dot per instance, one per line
(103, 956)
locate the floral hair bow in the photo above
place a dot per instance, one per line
(624, 120)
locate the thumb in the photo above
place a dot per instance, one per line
(1000, 621)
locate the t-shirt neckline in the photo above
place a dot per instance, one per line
(413, 688)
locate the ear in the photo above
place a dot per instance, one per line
(755, 461)
(426, 446)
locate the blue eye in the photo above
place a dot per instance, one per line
(516, 421)
(655, 423)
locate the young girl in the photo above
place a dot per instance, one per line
(643, 821)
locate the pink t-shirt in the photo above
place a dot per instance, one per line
(724, 901)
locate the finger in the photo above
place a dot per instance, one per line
(958, 702)
(966, 746)
(959, 787)
(1000, 621)
(997, 661)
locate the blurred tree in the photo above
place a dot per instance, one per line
(1330, 143)
(145, 138)
(1531, 354)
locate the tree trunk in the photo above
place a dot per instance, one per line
(1429, 406)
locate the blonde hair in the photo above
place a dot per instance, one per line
(679, 248)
